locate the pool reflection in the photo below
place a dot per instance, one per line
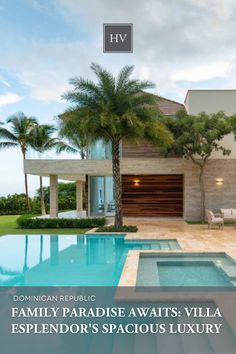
(67, 260)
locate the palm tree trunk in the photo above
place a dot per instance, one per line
(43, 209)
(25, 267)
(82, 154)
(27, 193)
(202, 191)
(26, 186)
(84, 184)
(117, 182)
(41, 249)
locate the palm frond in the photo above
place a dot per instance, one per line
(80, 99)
(7, 145)
(135, 86)
(107, 81)
(41, 139)
(86, 86)
(124, 76)
(63, 147)
(21, 127)
(158, 134)
(112, 108)
(7, 134)
(145, 99)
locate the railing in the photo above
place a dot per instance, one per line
(34, 155)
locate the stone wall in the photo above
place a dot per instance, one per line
(223, 196)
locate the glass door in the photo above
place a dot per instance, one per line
(109, 197)
(101, 196)
(97, 196)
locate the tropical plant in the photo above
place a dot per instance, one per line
(232, 122)
(16, 204)
(66, 196)
(113, 109)
(196, 137)
(18, 135)
(42, 140)
(13, 204)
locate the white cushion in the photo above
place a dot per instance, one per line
(234, 213)
(217, 220)
(210, 213)
(226, 212)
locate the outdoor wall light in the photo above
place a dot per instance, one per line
(219, 181)
(137, 182)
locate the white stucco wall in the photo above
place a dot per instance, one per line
(213, 101)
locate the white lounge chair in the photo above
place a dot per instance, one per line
(214, 219)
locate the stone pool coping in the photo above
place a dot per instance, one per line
(130, 269)
(127, 291)
(191, 238)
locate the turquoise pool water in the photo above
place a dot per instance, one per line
(68, 260)
(189, 270)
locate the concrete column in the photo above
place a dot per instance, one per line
(79, 196)
(53, 196)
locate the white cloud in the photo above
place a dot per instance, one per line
(202, 72)
(9, 98)
(48, 67)
(176, 44)
(172, 42)
(44, 87)
(4, 82)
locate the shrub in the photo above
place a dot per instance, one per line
(125, 228)
(28, 222)
(13, 204)
(16, 204)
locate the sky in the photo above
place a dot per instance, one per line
(178, 44)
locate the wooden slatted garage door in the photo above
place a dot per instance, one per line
(152, 195)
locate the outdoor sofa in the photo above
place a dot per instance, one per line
(229, 214)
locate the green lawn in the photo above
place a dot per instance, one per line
(8, 225)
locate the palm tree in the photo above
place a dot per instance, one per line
(18, 135)
(42, 140)
(75, 143)
(113, 109)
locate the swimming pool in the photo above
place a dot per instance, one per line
(68, 260)
(187, 270)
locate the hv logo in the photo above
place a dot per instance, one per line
(118, 38)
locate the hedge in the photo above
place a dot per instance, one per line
(29, 222)
(125, 228)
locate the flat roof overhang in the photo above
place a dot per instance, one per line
(77, 169)
(68, 169)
